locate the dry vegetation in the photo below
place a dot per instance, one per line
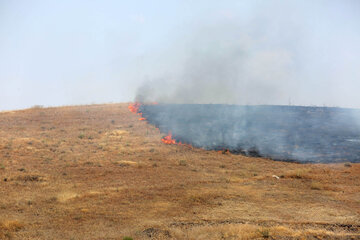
(97, 172)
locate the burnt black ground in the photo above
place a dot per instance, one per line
(287, 133)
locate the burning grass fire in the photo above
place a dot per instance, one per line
(168, 139)
(135, 107)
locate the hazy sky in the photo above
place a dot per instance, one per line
(81, 52)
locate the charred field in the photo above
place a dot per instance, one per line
(286, 133)
(97, 172)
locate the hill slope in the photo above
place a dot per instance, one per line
(97, 172)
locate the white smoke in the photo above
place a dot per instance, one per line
(292, 53)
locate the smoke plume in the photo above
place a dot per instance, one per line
(290, 53)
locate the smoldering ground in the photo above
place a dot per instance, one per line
(288, 133)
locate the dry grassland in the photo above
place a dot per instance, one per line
(97, 172)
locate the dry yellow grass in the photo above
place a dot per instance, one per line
(97, 172)
(8, 228)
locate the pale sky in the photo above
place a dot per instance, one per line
(67, 52)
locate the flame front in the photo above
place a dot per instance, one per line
(134, 107)
(168, 139)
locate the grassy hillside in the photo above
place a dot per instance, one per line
(97, 172)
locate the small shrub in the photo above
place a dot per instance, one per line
(7, 229)
(81, 136)
(127, 238)
(182, 163)
(222, 166)
(347, 164)
(37, 106)
(47, 160)
(265, 233)
(299, 174)
(316, 186)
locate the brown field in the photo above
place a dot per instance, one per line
(97, 172)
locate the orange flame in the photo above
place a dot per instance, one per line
(224, 151)
(134, 107)
(168, 139)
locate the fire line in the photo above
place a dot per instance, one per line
(134, 108)
(168, 139)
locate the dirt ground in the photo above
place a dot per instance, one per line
(97, 172)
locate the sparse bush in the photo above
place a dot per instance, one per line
(8, 227)
(316, 186)
(182, 163)
(298, 174)
(37, 106)
(81, 136)
(127, 238)
(265, 233)
(347, 164)
(47, 160)
(222, 166)
(224, 180)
